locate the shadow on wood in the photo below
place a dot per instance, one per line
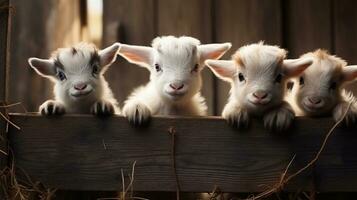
(82, 152)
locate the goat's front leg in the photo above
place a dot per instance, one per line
(351, 115)
(279, 118)
(52, 107)
(235, 115)
(102, 108)
(136, 112)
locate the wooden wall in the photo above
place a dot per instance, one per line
(38, 28)
(298, 25)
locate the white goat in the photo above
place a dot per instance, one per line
(77, 73)
(258, 74)
(318, 91)
(175, 66)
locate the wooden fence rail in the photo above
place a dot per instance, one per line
(79, 152)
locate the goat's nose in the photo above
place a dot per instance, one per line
(260, 94)
(80, 86)
(315, 100)
(176, 86)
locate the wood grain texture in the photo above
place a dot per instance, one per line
(243, 22)
(38, 28)
(345, 31)
(190, 18)
(87, 153)
(4, 67)
(131, 22)
(307, 26)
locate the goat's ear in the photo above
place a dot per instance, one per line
(44, 67)
(213, 51)
(349, 72)
(223, 69)
(108, 55)
(294, 67)
(140, 55)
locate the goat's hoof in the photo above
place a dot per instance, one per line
(102, 108)
(52, 107)
(350, 118)
(137, 114)
(237, 119)
(279, 120)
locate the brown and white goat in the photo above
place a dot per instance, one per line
(318, 91)
(258, 74)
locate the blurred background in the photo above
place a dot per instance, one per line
(41, 26)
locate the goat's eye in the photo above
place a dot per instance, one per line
(95, 69)
(333, 86)
(61, 75)
(157, 67)
(278, 78)
(241, 77)
(301, 80)
(195, 68)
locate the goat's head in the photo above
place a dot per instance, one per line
(77, 71)
(175, 64)
(258, 74)
(318, 89)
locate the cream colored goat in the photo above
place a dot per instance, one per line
(79, 85)
(258, 74)
(175, 65)
(319, 89)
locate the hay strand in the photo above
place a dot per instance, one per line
(172, 132)
(283, 181)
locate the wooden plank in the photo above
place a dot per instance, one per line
(55, 24)
(307, 26)
(132, 22)
(191, 18)
(345, 30)
(4, 66)
(243, 22)
(88, 153)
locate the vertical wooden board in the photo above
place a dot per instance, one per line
(307, 26)
(345, 29)
(131, 22)
(191, 18)
(4, 44)
(243, 22)
(55, 24)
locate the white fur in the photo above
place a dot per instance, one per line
(175, 61)
(317, 96)
(75, 63)
(260, 66)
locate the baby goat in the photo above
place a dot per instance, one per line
(258, 74)
(318, 91)
(175, 66)
(77, 73)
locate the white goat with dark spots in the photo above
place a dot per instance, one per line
(318, 92)
(175, 66)
(258, 74)
(79, 85)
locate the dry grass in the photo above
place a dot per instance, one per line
(126, 192)
(15, 188)
(284, 180)
(15, 183)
